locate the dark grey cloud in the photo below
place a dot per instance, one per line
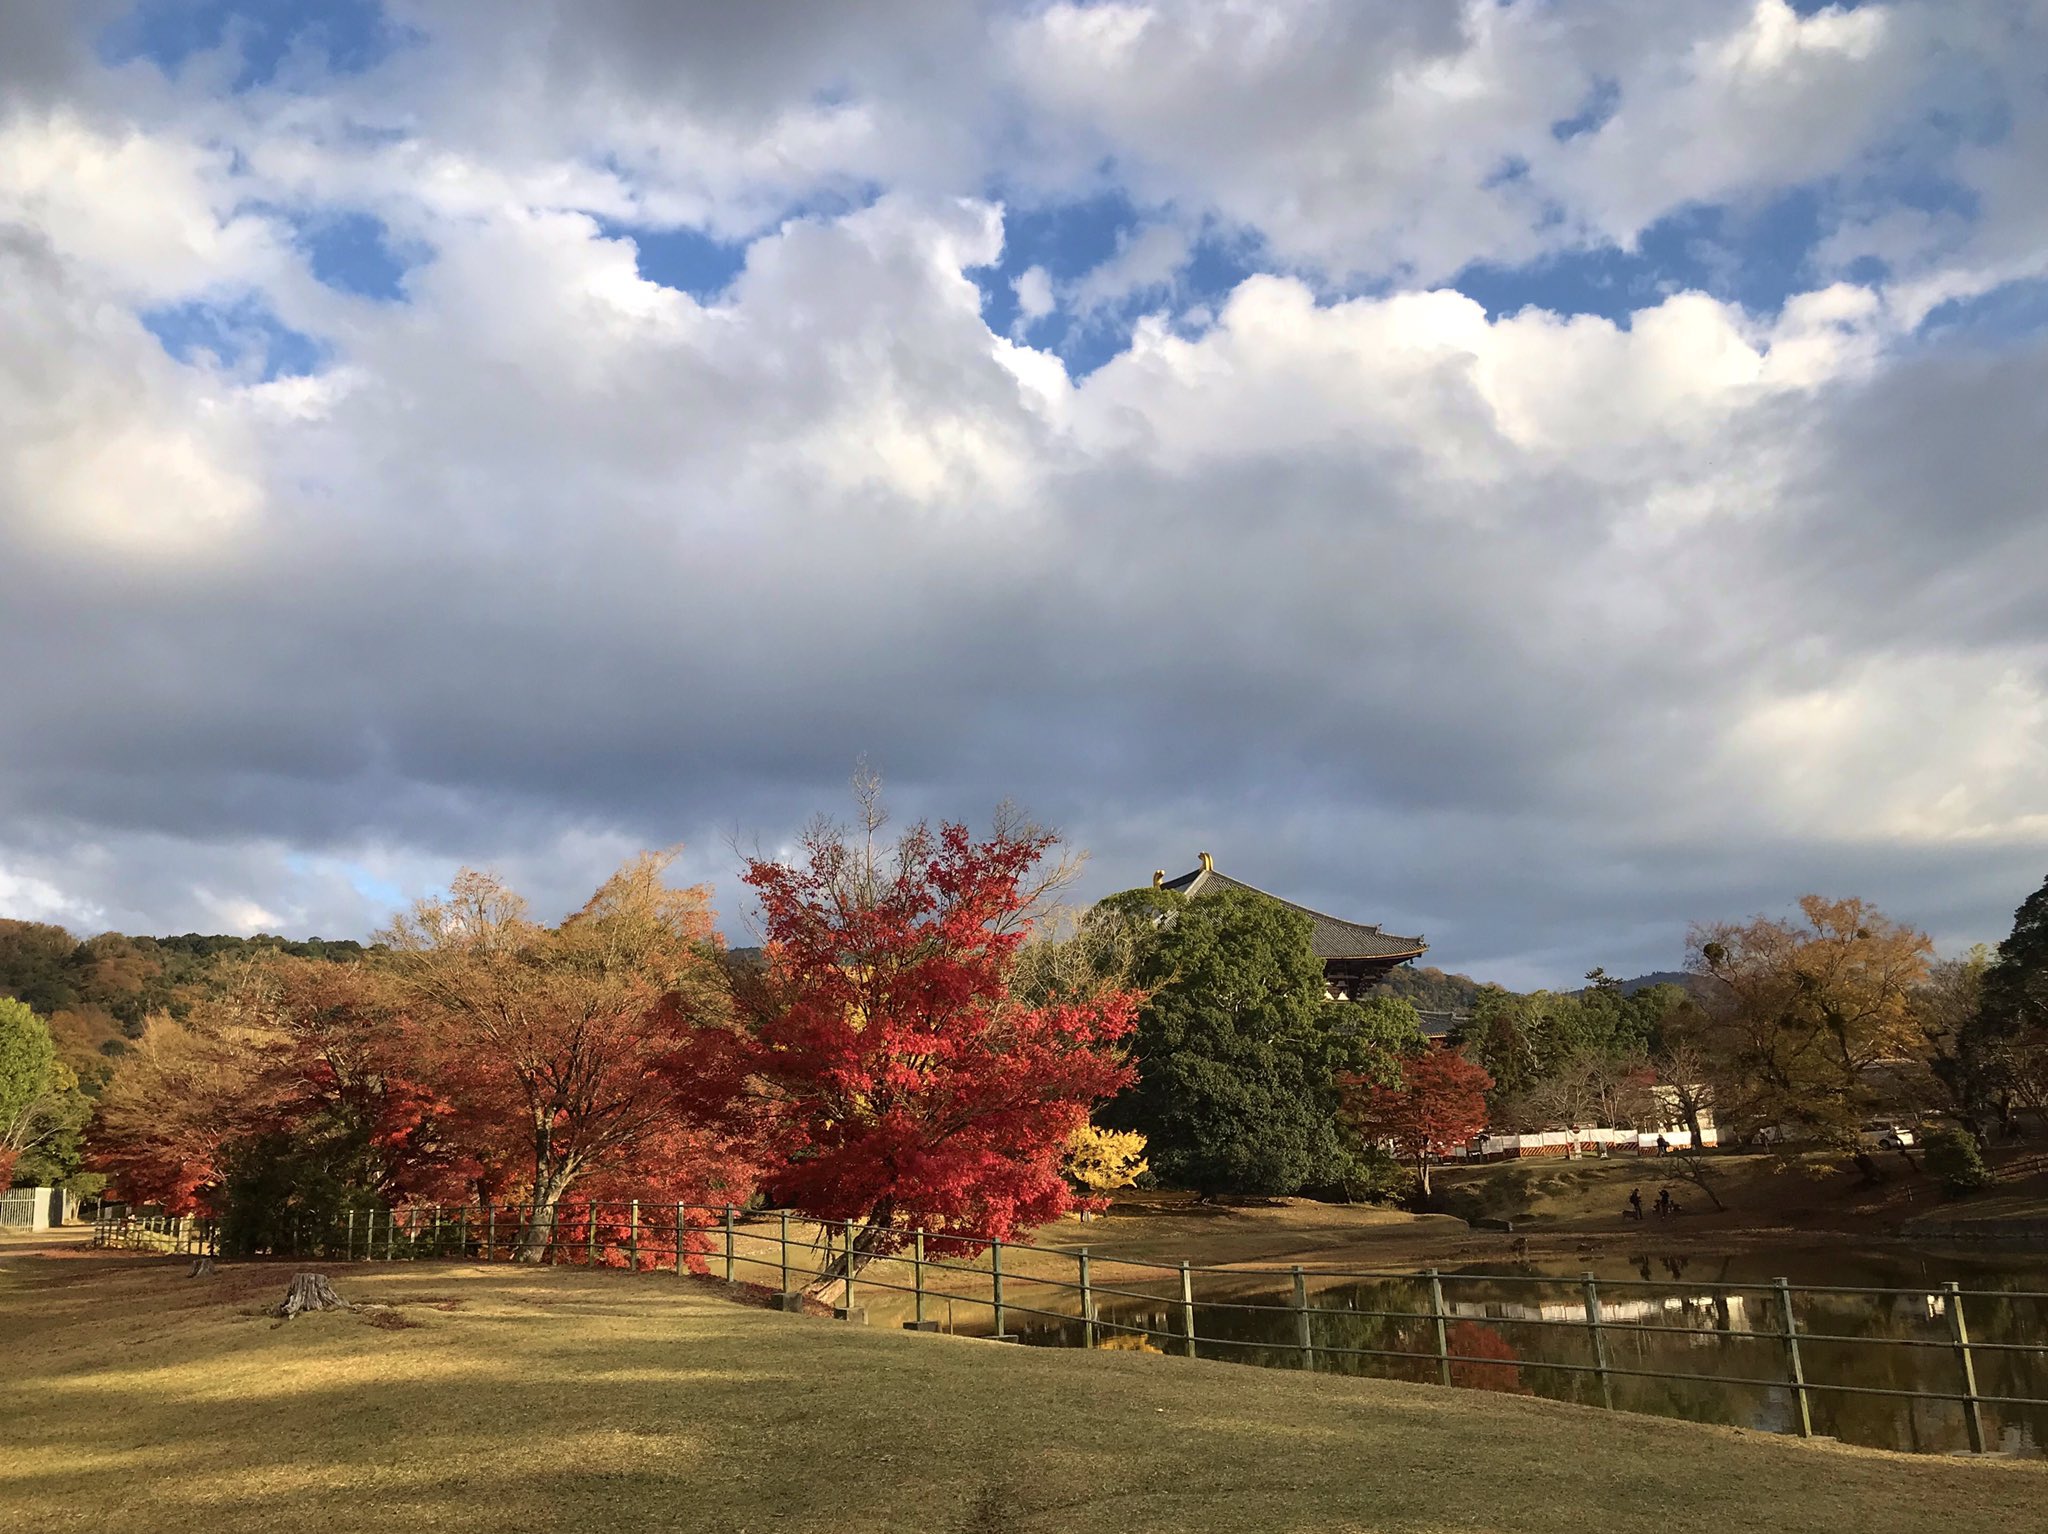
(1541, 638)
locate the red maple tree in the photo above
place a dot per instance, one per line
(908, 1088)
(1439, 1104)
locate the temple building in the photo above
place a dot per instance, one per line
(1356, 957)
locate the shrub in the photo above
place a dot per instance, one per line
(1952, 1156)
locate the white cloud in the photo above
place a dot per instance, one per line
(109, 448)
(154, 216)
(1144, 262)
(1583, 625)
(1033, 288)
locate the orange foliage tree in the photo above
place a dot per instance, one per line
(594, 1054)
(1439, 1103)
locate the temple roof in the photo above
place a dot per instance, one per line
(1333, 937)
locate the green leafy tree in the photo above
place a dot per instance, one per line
(1384, 1033)
(41, 1109)
(1237, 1058)
(2016, 982)
(1952, 1157)
(36, 965)
(2002, 1052)
(1511, 1036)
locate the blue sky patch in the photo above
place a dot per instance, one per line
(687, 260)
(1070, 240)
(1600, 105)
(2009, 314)
(1757, 258)
(353, 253)
(244, 337)
(350, 36)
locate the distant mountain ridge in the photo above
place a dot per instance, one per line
(1428, 989)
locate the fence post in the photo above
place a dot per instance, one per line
(1789, 1329)
(1599, 1343)
(590, 1234)
(1973, 1416)
(782, 1223)
(1087, 1300)
(995, 1272)
(391, 1235)
(682, 1228)
(490, 1232)
(849, 1270)
(728, 1254)
(1303, 1339)
(1187, 1309)
(350, 1250)
(1436, 1319)
(917, 1275)
(633, 1233)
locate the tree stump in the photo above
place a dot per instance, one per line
(310, 1291)
(202, 1267)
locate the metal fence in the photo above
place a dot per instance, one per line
(1978, 1355)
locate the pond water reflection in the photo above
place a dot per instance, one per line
(1715, 1321)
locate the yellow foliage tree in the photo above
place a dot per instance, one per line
(1103, 1160)
(1805, 1018)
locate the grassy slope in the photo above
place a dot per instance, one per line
(135, 1398)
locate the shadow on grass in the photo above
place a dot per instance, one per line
(138, 1399)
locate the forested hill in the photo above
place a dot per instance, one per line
(1431, 990)
(1677, 977)
(98, 991)
(1434, 990)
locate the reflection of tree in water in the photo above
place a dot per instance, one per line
(1920, 1425)
(1711, 1341)
(1468, 1340)
(1129, 1342)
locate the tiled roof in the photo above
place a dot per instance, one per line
(1333, 937)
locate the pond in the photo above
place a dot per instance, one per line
(1684, 1335)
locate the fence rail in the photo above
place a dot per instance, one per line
(1448, 1328)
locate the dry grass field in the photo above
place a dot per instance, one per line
(135, 1398)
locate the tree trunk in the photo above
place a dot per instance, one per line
(1691, 1110)
(548, 1192)
(310, 1291)
(874, 1231)
(1422, 1172)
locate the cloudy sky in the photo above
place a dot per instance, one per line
(1531, 472)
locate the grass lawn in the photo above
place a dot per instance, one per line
(495, 1399)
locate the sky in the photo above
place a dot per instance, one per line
(1532, 473)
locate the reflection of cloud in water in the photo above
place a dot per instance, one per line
(1707, 1313)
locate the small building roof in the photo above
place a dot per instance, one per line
(1332, 938)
